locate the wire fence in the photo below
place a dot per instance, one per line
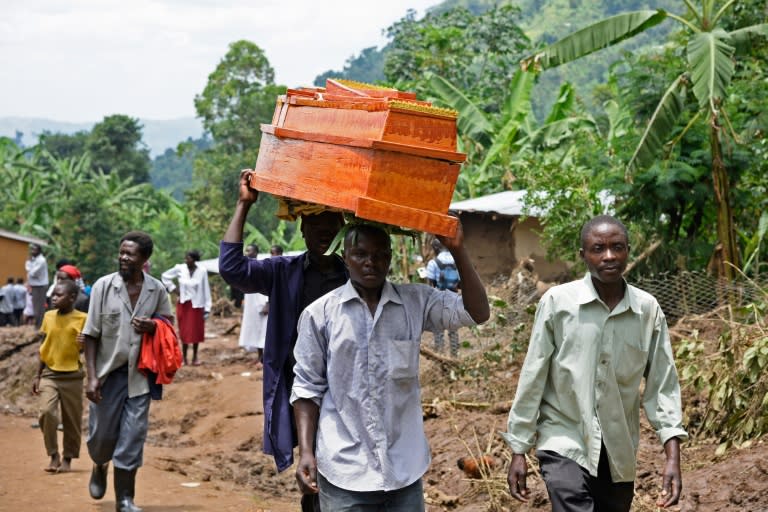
(688, 293)
(679, 294)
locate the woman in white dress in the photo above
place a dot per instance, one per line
(194, 301)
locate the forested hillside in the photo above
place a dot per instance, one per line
(670, 137)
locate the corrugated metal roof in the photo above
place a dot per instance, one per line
(212, 265)
(508, 203)
(23, 238)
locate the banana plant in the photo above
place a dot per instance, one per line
(710, 52)
(498, 137)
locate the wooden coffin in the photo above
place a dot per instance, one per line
(376, 152)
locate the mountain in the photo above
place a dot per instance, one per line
(158, 135)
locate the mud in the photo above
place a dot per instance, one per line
(207, 433)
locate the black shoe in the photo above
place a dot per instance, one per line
(125, 487)
(98, 484)
(126, 505)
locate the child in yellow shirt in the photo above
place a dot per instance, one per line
(60, 376)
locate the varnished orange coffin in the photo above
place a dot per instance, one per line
(378, 153)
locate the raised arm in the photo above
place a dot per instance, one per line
(246, 197)
(472, 289)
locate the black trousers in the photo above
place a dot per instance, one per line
(572, 489)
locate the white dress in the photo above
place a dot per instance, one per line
(253, 328)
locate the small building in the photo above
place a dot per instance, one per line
(499, 236)
(14, 251)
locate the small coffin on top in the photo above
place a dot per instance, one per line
(376, 152)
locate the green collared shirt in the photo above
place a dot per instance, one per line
(580, 382)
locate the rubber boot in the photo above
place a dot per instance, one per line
(125, 489)
(97, 487)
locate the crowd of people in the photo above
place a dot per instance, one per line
(339, 344)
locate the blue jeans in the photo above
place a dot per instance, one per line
(407, 499)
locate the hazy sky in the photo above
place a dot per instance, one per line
(79, 60)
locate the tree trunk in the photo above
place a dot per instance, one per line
(726, 231)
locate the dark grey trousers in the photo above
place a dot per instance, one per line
(117, 425)
(38, 303)
(572, 489)
(407, 499)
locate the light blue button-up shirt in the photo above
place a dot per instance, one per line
(580, 383)
(363, 372)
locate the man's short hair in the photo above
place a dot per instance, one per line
(194, 254)
(143, 240)
(601, 219)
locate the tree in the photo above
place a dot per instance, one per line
(115, 146)
(497, 142)
(710, 52)
(172, 171)
(475, 53)
(81, 213)
(367, 67)
(63, 145)
(239, 96)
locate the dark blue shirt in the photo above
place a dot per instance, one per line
(282, 279)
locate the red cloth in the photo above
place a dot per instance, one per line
(191, 322)
(71, 270)
(160, 352)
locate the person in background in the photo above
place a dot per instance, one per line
(253, 328)
(193, 303)
(37, 279)
(356, 393)
(292, 283)
(7, 299)
(59, 379)
(59, 263)
(72, 273)
(578, 398)
(19, 300)
(122, 306)
(443, 275)
(28, 315)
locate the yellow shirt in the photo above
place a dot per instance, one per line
(60, 351)
(580, 384)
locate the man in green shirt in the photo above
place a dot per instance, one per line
(578, 398)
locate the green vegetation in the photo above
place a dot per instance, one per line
(663, 119)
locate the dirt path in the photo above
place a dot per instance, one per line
(208, 431)
(208, 415)
(25, 487)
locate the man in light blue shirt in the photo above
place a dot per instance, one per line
(578, 398)
(356, 392)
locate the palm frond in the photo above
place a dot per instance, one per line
(710, 60)
(660, 125)
(472, 121)
(742, 39)
(595, 37)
